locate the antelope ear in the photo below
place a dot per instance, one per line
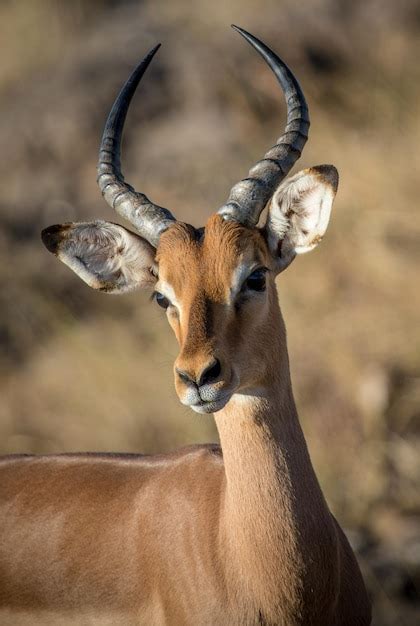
(106, 256)
(299, 213)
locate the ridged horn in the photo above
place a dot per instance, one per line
(248, 198)
(150, 220)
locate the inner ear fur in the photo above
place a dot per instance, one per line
(299, 213)
(104, 255)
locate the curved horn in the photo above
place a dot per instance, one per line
(248, 197)
(149, 219)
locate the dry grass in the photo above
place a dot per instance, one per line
(81, 370)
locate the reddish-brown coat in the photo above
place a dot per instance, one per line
(239, 535)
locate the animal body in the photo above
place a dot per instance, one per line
(236, 534)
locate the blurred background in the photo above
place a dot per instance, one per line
(81, 370)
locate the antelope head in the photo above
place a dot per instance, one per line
(216, 283)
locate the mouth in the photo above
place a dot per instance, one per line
(209, 398)
(211, 406)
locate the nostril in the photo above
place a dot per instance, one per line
(211, 373)
(185, 377)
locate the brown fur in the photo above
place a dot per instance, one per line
(238, 536)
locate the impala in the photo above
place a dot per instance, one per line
(236, 534)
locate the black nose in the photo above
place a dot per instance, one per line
(210, 373)
(186, 377)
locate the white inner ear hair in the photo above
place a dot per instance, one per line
(300, 212)
(107, 256)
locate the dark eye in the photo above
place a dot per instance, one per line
(256, 281)
(161, 300)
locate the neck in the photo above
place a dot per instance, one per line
(278, 527)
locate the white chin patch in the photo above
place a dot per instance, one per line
(210, 407)
(202, 409)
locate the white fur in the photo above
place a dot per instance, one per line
(239, 275)
(299, 214)
(107, 256)
(163, 287)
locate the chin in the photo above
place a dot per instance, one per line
(210, 407)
